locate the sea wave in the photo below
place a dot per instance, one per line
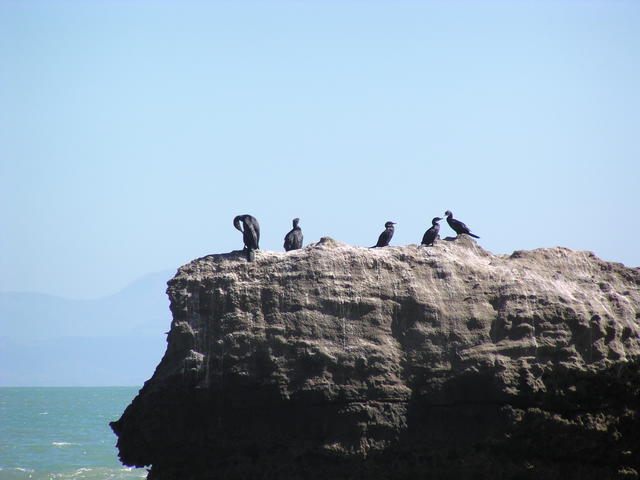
(16, 473)
(101, 473)
(62, 434)
(85, 473)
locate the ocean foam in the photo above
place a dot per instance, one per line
(101, 473)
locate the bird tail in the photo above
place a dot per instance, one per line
(251, 255)
(472, 235)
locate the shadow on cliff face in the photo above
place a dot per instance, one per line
(559, 434)
(563, 431)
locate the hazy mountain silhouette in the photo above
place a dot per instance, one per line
(114, 340)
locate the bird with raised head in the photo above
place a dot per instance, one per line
(457, 226)
(430, 235)
(385, 237)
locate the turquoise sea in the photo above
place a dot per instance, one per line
(62, 433)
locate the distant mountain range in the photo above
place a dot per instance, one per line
(114, 340)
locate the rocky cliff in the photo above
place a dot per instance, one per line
(448, 362)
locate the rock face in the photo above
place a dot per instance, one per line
(402, 362)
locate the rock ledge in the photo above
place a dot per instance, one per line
(402, 362)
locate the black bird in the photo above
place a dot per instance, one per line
(250, 233)
(431, 234)
(385, 237)
(293, 239)
(458, 226)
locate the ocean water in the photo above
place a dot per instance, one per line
(61, 433)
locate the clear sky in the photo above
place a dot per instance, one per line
(132, 132)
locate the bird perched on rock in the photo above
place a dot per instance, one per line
(457, 226)
(293, 239)
(385, 237)
(250, 233)
(430, 235)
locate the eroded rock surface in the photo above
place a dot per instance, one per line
(402, 362)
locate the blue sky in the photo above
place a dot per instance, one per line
(132, 132)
